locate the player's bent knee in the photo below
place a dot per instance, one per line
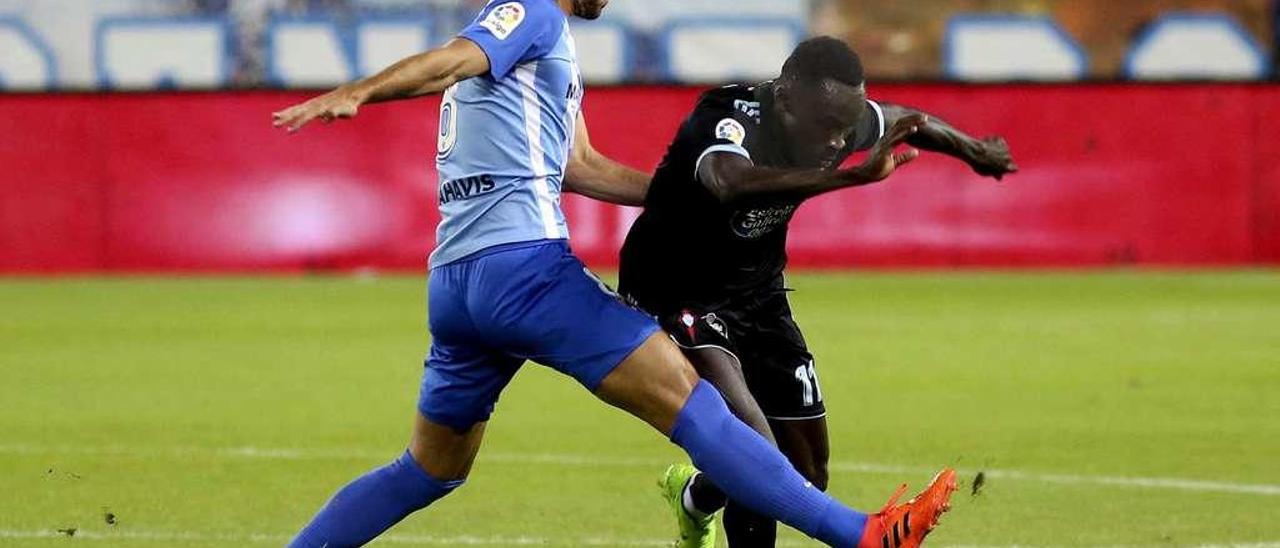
(444, 452)
(675, 375)
(652, 383)
(674, 360)
(688, 376)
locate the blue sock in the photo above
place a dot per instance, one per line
(754, 474)
(371, 504)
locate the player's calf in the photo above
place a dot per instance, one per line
(372, 504)
(653, 383)
(805, 444)
(436, 463)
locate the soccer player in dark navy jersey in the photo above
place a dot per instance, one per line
(706, 256)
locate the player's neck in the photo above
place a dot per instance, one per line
(566, 6)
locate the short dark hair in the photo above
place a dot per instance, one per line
(823, 57)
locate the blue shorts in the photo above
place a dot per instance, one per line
(530, 301)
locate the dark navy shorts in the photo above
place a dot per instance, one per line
(530, 301)
(761, 334)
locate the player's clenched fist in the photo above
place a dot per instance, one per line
(993, 158)
(339, 103)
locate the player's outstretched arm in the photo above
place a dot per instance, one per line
(414, 76)
(989, 156)
(595, 175)
(732, 177)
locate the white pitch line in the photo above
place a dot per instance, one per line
(558, 459)
(1160, 483)
(467, 540)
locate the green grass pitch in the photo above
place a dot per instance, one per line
(1117, 408)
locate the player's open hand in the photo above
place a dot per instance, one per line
(339, 103)
(884, 158)
(994, 159)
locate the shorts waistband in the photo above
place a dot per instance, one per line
(501, 248)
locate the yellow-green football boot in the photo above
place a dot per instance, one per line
(694, 533)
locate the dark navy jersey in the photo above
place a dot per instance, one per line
(688, 249)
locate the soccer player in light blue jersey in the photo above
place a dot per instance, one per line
(505, 287)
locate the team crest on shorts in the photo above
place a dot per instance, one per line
(715, 323)
(731, 130)
(504, 19)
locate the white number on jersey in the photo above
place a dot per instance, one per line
(448, 135)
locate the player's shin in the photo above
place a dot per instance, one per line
(372, 504)
(754, 474)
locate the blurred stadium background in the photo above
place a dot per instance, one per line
(206, 326)
(1119, 169)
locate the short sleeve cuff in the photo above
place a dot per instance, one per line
(728, 147)
(875, 107)
(483, 40)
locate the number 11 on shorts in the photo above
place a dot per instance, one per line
(808, 377)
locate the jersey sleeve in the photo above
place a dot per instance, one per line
(717, 128)
(870, 129)
(515, 31)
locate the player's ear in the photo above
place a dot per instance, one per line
(782, 96)
(782, 99)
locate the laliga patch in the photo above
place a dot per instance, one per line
(731, 130)
(504, 19)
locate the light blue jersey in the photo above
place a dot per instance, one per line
(505, 136)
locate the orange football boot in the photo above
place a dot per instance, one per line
(906, 525)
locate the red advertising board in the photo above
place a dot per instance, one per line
(1112, 174)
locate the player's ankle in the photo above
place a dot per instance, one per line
(700, 498)
(686, 500)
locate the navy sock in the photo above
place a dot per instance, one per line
(754, 474)
(371, 504)
(746, 529)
